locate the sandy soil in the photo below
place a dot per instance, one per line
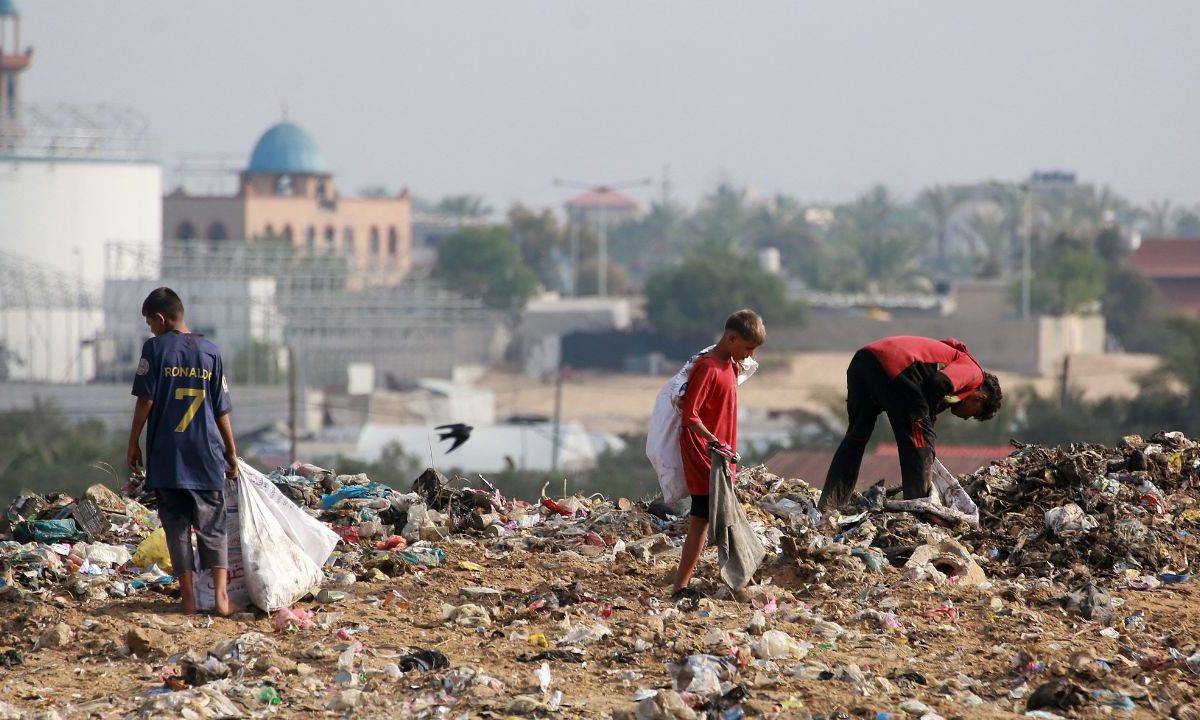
(997, 635)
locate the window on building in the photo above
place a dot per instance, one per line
(216, 231)
(283, 186)
(374, 240)
(310, 238)
(348, 240)
(393, 242)
(185, 231)
(330, 237)
(269, 232)
(287, 233)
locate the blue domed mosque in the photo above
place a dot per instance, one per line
(287, 192)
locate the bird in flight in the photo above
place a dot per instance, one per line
(458, 431)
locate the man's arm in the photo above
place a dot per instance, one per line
(231, 455)
(141, 411)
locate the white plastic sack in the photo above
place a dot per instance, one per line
(662, 437)
(313, 536)
(947, 499)
(282, 547)
(204, 592)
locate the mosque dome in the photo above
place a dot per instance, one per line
(283, 149)
(8, 7)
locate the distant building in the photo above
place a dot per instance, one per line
(602, 205)
(1173, 265)
(72, 179)
(287, 193)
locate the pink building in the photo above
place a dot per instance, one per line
(287, 193)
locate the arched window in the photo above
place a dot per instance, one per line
(330, 237)
(283, 186)
(287, 233)
(348, 240)
(374, 240)
(269, 232)
(310, 238)
(185, 231)
(393, 242)
(216, 231)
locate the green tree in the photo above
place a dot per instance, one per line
(879, 245)
(938, 203)
(1069, 278)
(689, 301)
(462, 206)
(483, 262)
(44, 451)
(650, 242)
(780, 223)
(724, 218)
(1158, 218)
(1181, 360)
(257, 364)
(1133, 311)
(542, 242)
(394, 468)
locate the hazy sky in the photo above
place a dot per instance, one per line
(498, 97)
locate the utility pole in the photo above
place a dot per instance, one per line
(556, 442)
(292, 419)
(605, 191)
(1064, 380)
(1026, 242)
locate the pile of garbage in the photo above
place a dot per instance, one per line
(567, 587)
(1126, 512)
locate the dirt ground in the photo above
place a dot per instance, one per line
(990, 645)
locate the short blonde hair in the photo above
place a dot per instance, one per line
(748, 325)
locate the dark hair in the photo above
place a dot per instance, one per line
(163, 300)
(994, 399)
(748, 325)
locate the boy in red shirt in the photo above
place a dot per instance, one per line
(709, 415)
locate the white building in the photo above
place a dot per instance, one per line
(72, 179)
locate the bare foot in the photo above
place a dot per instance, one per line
(187, 607)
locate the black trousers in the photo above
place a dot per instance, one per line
(870, 392)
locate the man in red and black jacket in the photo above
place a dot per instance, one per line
(912, 379)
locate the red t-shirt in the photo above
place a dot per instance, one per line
(711, 398)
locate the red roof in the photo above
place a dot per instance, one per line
(1167, 257)
(603, 197)
(882, 464)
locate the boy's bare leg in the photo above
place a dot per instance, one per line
(693, 545)
(221, 590)
(187, 599)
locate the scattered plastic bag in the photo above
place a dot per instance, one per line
(153, 551)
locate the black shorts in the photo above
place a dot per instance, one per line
(181, 512)
(699, 507)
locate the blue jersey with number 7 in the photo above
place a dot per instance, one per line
(183, 375)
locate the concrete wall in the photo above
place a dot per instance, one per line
(253, 406)
(1033, 346)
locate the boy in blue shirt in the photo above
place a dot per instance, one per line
(181, 390)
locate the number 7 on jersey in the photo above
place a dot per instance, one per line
(197, 396)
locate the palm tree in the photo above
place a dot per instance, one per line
(1158, 217)
(939, 203)
(989, 240)
(724, 217)
(877, 245)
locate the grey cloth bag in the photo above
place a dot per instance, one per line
(739, 553)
